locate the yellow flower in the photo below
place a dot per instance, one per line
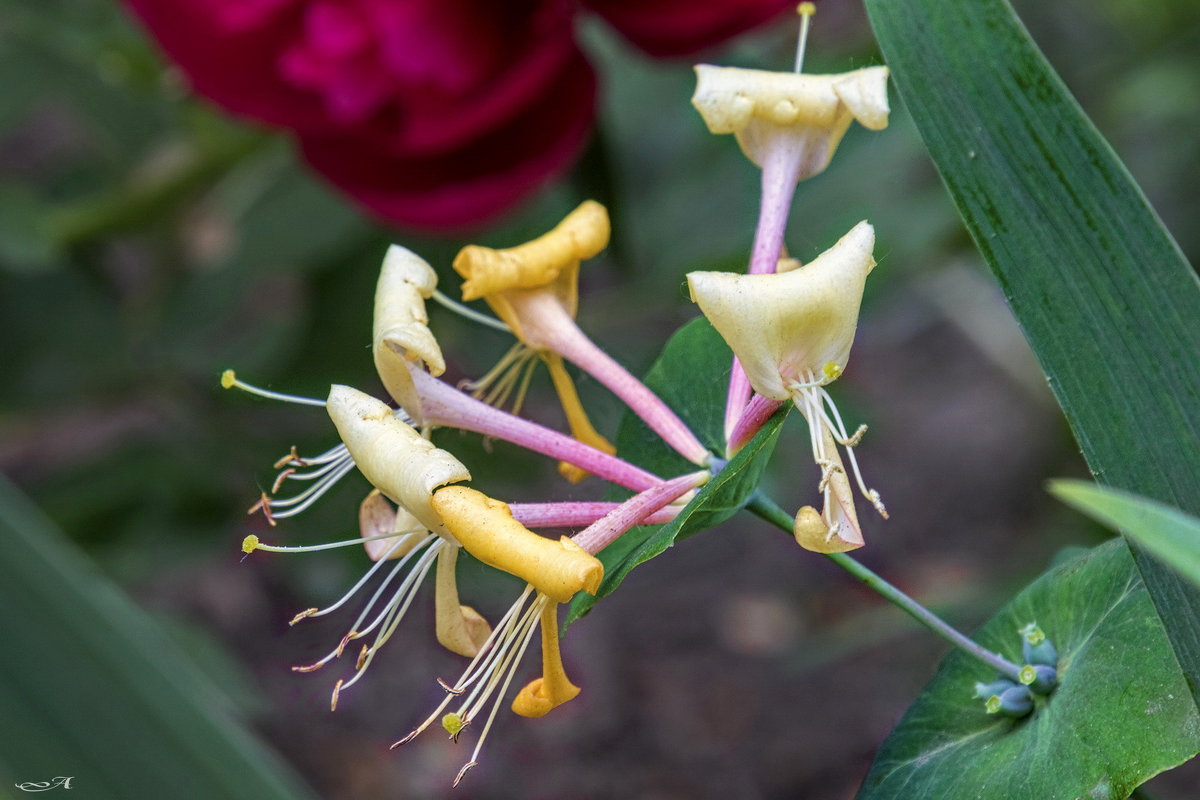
(792, 332)
(555, 571)
(533, 288)
(806, 113)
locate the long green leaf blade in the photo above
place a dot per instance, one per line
(1167, 532)
(1105, 298)
(91, 689)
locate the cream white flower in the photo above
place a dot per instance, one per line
(792, 332)
(401, 325)
(808, 113)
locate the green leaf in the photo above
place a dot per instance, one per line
(1105, 298)
(691, 376)
(1167, 532)
(91, 688)
(1122, 711)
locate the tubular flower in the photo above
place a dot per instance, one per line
(405, 469)
(534, 289)
(555, 571)
(805, 114)
(789, 124)
(792, 333)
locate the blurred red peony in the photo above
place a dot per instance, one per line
(432, 113)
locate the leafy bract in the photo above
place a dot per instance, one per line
(1167, 532)
(1105, 298)
(1122, 711)
(691, 376)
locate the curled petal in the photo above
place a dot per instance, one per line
(377, 517)
(392, 456)
(486, 528)
(813, 111)
(552, 259)
(786, 326)
(401, 325)
(542, 695)
(460, 629)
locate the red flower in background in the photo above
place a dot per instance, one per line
(428, 112)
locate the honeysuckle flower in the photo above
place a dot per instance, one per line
(406, 469)
(789, 124)
(555, 572)
(534, 289)
(792, 115)
(792, 332)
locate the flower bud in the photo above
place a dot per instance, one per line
(1014, 702)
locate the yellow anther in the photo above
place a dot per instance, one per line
(250, 544)
(305, 614)
(228, 379)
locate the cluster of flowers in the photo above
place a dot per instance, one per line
(789, 326)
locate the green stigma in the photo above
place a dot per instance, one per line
(250, 544)
(228, 379)
(993, 704)
(453, 724)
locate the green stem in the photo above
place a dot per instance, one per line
(768, 510)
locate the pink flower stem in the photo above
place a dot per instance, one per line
(576, 515)
(554, 328)
(443, 405)
(636, 511)
(780, 176)
(757, 412)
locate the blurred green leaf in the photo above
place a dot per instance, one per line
(691, 376)
(1105, 298)
(91, 688)
(1121, 714)
(1167, 532)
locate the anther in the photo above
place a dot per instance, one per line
(463, 771)
(280, 478)
(853, 440)
(263, 505)
(308, 612)
(449, 689)
(362, 657)
(334, 699)
(291, 458)
(310, 667)
(411, 735)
